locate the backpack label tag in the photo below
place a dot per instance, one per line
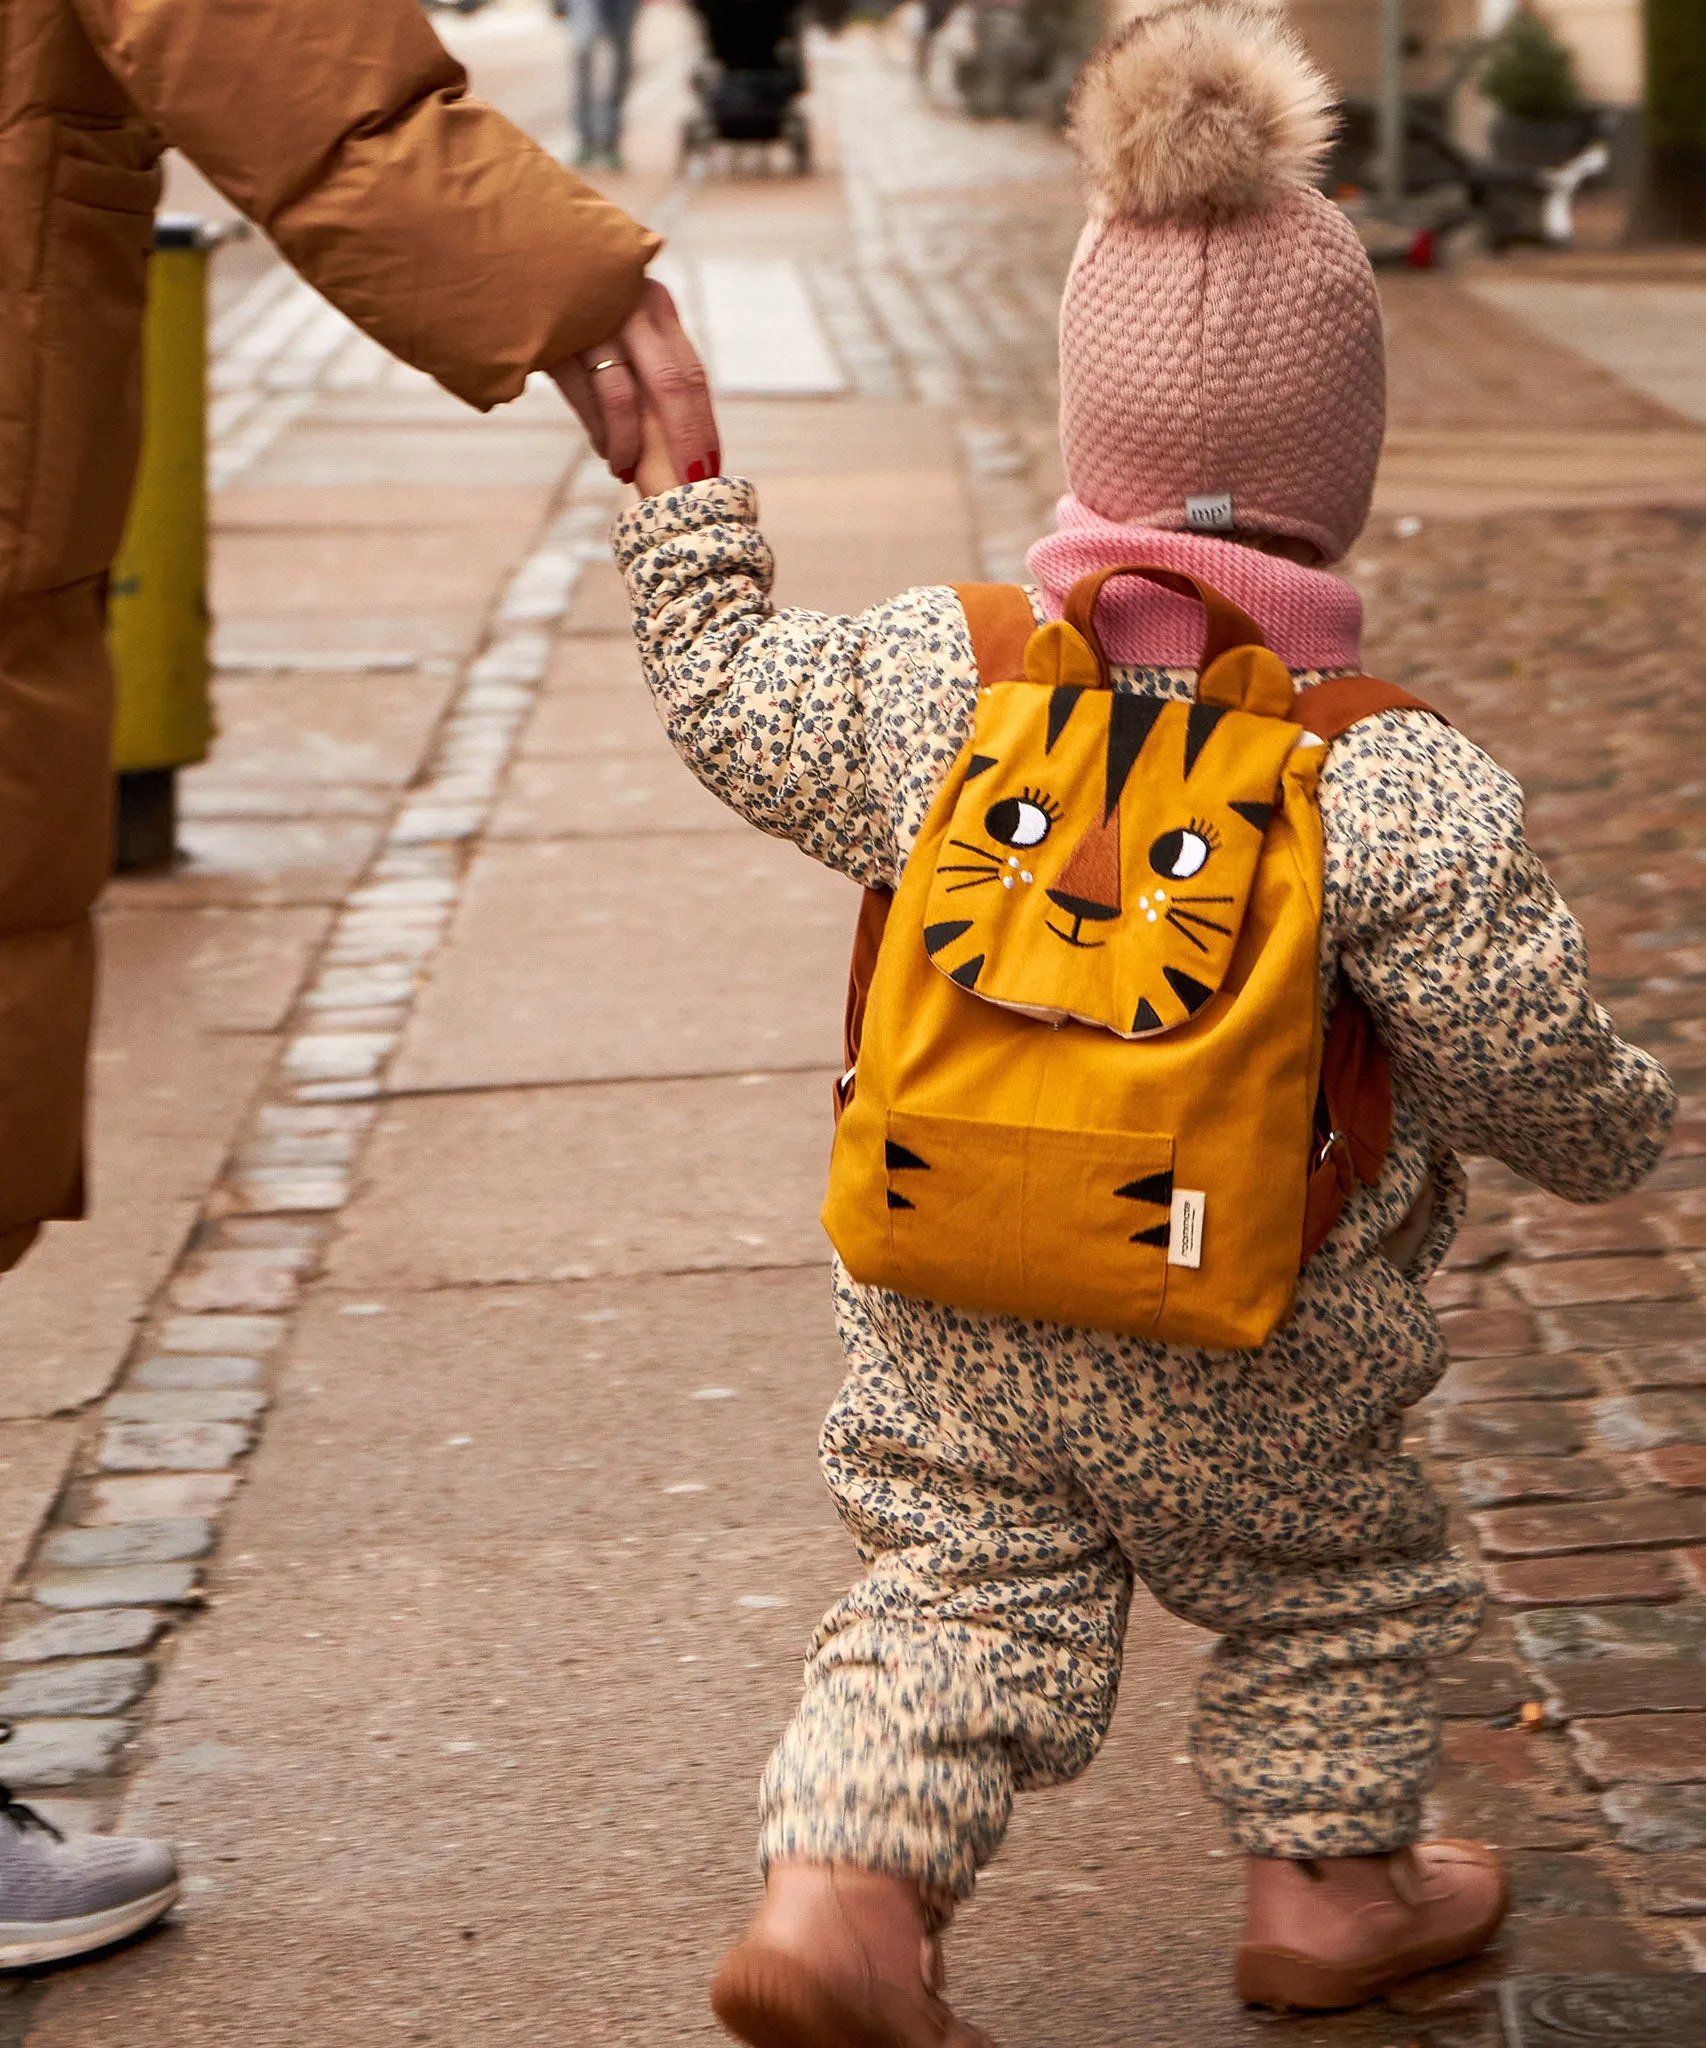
(1184, 1245)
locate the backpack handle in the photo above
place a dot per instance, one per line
(1226, 626)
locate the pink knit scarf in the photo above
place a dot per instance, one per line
(1310, 619)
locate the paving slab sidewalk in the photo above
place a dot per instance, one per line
(510, 1604)
(348, 613)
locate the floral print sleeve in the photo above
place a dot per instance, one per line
(1449, 926)
(832, 732)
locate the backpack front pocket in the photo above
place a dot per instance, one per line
(1066, 1226)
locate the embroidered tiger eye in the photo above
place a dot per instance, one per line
(1180, 853)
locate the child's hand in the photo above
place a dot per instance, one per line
(656, 471)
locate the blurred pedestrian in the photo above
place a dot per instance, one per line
(601, 57)
(1044, 1402)
(346, 131)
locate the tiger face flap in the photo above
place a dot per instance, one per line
(1102, 852)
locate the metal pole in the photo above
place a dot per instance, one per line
(1391, 101)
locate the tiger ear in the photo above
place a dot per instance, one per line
(1059, 657)
(1248, 679)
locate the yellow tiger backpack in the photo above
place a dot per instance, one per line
(1086, 1080)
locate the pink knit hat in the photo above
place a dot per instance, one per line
(1221, 357)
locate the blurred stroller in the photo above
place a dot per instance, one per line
(1448, 188)
(749, 87)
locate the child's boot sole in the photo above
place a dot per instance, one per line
(770, 2000)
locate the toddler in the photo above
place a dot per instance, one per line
(1222, 407)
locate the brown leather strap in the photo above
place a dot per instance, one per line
(874, 907)
(1353, 1117)
(1001, 622)
(1225, 626)
(1353, 1110)
(1330, 709)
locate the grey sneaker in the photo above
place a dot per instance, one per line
(63, 1895)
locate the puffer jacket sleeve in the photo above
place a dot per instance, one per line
(345, 130)
(1448, 925)
(834, 732)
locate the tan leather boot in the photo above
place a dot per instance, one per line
(838, 1958)
(1340, 1930)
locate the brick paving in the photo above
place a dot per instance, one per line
(1572, 1424)
(388, 1178)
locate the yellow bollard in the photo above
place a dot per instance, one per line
(157, 619)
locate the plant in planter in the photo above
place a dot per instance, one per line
(1531, 79)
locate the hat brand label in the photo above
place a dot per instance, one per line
(1210, 514)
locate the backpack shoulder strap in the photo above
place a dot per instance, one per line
(1001, 622)
(1353, 1117)
(1353, 1111)
(874, 907)
(1330, 709)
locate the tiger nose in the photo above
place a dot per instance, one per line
(1089, 884)
(1082, 907)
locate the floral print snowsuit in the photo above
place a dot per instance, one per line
(1004, 1480)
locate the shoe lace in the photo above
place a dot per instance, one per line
(23, 1817)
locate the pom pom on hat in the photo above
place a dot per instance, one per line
(1199, 108)
(1222, 366)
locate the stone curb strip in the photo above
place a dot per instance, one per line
(120, 1565)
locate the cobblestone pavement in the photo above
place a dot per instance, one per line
(1572, 1426)
(461, 1106)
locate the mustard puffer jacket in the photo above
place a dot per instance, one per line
(343, 128)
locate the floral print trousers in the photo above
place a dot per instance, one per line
(1006, 1481)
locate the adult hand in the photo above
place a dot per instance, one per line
(649, 363)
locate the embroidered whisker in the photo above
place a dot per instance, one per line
(982, 852)
(1185, 932)
(976, 882)
(1208, 924)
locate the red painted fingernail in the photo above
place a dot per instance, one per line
(626, 475)
(696, 472)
